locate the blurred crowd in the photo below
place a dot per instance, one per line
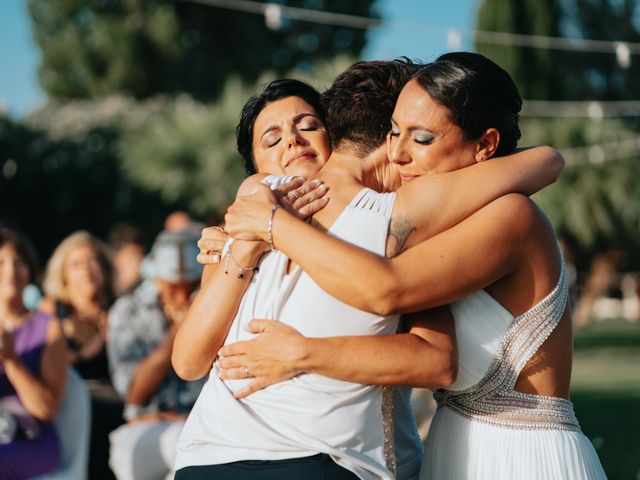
(85, 349)
(85, 353)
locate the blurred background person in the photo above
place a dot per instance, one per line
(128, 254)
(33, 369)
(142, 328)
(78, 285)
(180, 220)
(79, 291)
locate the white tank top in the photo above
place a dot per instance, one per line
(308, 414)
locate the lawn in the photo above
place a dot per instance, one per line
(606, 394)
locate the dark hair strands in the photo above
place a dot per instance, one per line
(478, 93)
(360, 102)
(274, 91)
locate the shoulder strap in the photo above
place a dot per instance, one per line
(531, 329)
(368, 199)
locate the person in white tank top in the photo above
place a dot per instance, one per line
(507, 415)
(211, 320)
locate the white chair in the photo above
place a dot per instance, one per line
(73, 422)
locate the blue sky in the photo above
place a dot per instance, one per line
(417, 29)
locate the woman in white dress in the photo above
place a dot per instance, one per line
(508, 413)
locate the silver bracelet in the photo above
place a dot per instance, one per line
(270, 226)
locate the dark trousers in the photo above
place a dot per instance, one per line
(317, 467)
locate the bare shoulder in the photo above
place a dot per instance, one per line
(249, 184)
(519, 212)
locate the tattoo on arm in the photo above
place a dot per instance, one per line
(399, 231)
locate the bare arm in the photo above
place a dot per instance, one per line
(466, 258)
(433, 203)
(40, 396)
(151, 372)
(207, 324)
(426, 356)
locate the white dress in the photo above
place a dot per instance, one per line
(483, 428)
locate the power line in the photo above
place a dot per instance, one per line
(591, 109)
(598, 154)
(295, 13)
(274, 13)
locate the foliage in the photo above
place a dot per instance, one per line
(142, 48)
(605, 391)
(187, 152)
(550, 74)
(92, 163)
(534, 17)
(596, 203)
(51, 187)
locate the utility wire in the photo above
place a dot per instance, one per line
(274, 12)
(295, 13)
(601, 153)
(592, 109)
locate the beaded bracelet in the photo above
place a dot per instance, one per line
(270, 226)
(242, 269)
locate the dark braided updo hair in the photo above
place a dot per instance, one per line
(478, 93)
(276, 90)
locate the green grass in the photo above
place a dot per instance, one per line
(606, 395)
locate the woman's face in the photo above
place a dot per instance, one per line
(423, 139)
(14, 273)
(289, 138)
(82, 273)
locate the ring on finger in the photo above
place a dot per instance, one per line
(246, 371)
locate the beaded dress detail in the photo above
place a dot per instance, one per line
(387, 428)
(494, 399)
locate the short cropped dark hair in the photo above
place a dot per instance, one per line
(478, 93)
(276, 90)
(361, 100)
(24, 248)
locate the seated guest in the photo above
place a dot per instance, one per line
(142, 327)
(33, 369)
(78, 288)
(128, 254)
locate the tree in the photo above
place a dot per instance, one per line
(145, 47)
(595, 203)
(558, 74)
(534, 17)
(53, 184)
